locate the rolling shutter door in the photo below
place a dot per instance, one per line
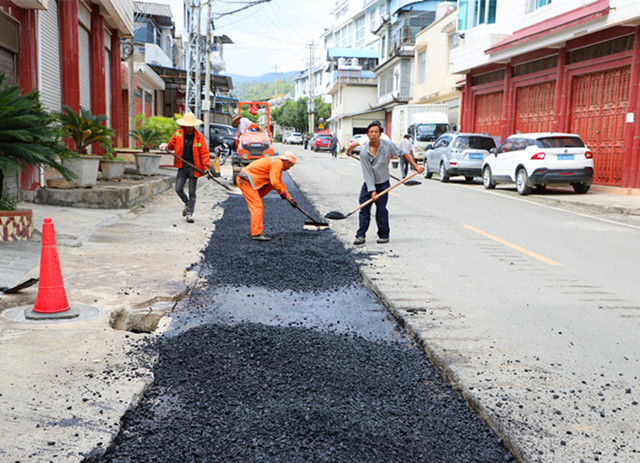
(7, 67)
(49, 74)
(8, 47)
(599, 104)
(534, 107)
(85, 67)
(489, 113)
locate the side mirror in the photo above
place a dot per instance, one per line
(493, 151)
(429, 146)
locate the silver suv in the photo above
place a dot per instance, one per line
(457, 154)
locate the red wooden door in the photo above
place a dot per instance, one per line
(598, 111)
(488, 114)
(534, 107)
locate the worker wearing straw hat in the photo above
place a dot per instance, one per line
(189, 144)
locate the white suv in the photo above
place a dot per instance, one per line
(535, 160)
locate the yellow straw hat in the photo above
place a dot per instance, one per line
(188, 120)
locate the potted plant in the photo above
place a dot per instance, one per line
(148, 138)
(112, 166)
(29, 137)
(85, 129)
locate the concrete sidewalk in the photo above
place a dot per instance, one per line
(64, 385)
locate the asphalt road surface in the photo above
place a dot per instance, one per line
(282, 355)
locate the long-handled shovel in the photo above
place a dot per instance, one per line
(207, 174)
(411, 183)
(314, 224)
(335, 215)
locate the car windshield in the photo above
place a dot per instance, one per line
(477, 143)
(426, 132)
(325, 136)
(559, 142)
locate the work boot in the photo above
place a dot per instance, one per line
(382, 240)
(189, 218)
(359, 240)
(261, 237)
(185, 211)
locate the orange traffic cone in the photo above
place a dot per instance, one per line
(51, 301)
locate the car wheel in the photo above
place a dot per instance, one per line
(468, 179)
(444, 178)
(581, 188)
(426, 172)
(521, 182)
(487, 178)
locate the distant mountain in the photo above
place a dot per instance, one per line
(269, 77)
(261, 87)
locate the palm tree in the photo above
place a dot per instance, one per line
(29, 135)
(85, 129)
(146, 137)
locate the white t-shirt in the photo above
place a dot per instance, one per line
(406, 146)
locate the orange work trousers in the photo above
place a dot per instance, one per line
(254, 203)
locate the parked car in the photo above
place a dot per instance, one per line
(535, 160)
(321, 141)
(294, 139)
(456, 154)
(220, 133)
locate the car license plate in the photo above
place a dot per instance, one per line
(475, 156)
(565, 157)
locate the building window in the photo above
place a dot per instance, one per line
(472, 13)
(535, 4)
(422, 63)
(360, 32)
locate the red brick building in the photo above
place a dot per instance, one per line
(564, 69)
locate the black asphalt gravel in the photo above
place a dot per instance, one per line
(252, 392)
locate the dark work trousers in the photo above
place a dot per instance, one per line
(184, 173)
(404, 166)
(382, 214)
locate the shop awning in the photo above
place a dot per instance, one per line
(179, 76)
(558, 23)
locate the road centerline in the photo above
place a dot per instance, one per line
(513, 246)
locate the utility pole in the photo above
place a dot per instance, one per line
(275, 91)
(206, 104)
(192, 97)
(311, 107)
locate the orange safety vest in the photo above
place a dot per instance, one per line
(264, 171)
(201, 157)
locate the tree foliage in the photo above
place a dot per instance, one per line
(261, 91)
(29, 135)
(295, 113)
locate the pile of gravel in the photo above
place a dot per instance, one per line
(296, 259)
(248, 392)
(251, 393)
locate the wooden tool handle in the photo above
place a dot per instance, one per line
(384, 192)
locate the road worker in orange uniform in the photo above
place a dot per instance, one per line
(258, 179)
(188, 144)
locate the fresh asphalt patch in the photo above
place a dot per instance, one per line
(284, 356)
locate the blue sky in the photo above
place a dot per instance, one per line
(267, 35)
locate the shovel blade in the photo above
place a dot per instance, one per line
(315, 225)
(335, 215)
